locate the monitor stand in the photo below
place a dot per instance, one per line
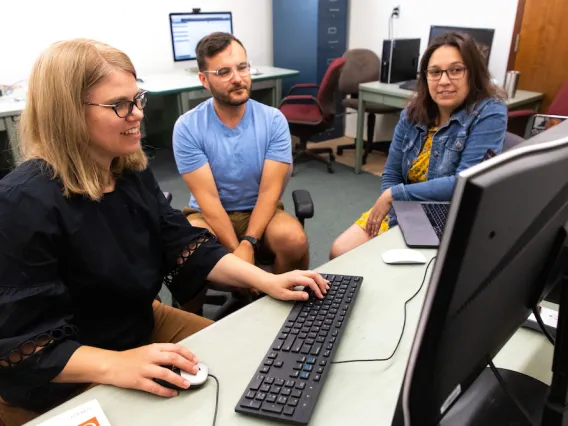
(486, 404)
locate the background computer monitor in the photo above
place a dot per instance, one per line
(482, 36)
(188, 28)
(497, 259)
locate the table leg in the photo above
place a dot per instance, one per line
(359, 135)
(277, 92)
(10, 124)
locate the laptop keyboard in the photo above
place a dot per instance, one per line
(290, 377)
(437, 215)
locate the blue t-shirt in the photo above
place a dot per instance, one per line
(236, 156)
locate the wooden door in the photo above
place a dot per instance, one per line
(542, 47)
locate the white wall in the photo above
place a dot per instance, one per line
(141, 29)
(368, 27)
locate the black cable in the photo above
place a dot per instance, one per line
(216, 398)
(509, 394)
(542, 326)
(403, 324)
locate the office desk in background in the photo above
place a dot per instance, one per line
(392, 95)
(355, 393)
(182, 86)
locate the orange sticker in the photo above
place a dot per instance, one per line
(91, 422)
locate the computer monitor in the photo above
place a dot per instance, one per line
(482, 36)
(188, 28)
(504, 247)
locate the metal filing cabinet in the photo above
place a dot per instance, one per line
(308, 35)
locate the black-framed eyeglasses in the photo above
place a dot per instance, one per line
(454, 73)
(226, 73)
(124, 108)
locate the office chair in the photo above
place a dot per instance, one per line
(308, 115)
(519, 119)
(511, 141)
(362, 66)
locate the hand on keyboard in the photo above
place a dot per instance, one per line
(282, 286)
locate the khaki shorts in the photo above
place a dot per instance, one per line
(240, 221)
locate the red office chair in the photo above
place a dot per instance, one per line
(309, 116)
(518, 119)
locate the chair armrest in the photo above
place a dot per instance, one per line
(521, 113)
(302, 86)
(303, 204)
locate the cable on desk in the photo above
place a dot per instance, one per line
(216, 398)
(403, 323)
(536, 314)
(509, 394)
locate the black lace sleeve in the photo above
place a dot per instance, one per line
(37, 335)
(190, 253)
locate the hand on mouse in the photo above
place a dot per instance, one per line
(136, 368)
(281, 286)
(378, 212)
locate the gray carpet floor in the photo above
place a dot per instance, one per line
(339, 198)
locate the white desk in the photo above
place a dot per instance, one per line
(354, 394)
(393, 95)
(185, 85)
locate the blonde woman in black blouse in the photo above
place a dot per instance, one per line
(87, 239)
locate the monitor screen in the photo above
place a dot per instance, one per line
(188, 28)
(483, 37)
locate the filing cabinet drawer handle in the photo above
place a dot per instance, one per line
(333, 41)
(334, 10)
(332, 30)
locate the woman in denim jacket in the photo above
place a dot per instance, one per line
(455, 117)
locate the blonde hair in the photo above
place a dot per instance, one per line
(53, 126)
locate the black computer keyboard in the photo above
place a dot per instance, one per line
(437, 214)
(289, 379)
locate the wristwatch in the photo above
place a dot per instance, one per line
(254, 241)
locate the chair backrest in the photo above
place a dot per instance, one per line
(559, 105)
(328, 87)
(511, 141)
(361, 66)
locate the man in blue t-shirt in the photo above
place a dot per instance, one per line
(235, 155)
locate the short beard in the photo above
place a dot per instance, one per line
(225, 99)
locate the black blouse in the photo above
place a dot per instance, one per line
(79, 272)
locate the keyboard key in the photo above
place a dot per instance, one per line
(282, 400)
(288, 411)
(316, 350)
(278, 364)
(285, 392)
(308, 367)
(277, 345)
(265, 369)
(269, 380)
(255, 405)
(272, 355)
(304, 375)
(302, 359)
(275, 389)
(323, 362)
(298, 366)
(327, 354)
(317, 378)
(328, 347)
(271, 398)
(306, 349)
(290, 383)
(268, 362)
(271, 408)
(279, 382)
(310, 360)
(295, 374)
(265, 388)
(256, 384)
(250, 395)
(302, 335)
(260, 396)
(296, 394)
(319, 370)
(301, 385)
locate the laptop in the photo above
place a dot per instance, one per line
(538, 123)
(421, 222)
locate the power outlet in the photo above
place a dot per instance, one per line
(396, 12)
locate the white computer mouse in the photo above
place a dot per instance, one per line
(196, 379)
(403, 256)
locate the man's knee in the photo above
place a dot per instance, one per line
(290, 243)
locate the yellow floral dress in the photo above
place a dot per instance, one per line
(418, 172)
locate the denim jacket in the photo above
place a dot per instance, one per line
(457, 145)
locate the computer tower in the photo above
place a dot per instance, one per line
(403, 64)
